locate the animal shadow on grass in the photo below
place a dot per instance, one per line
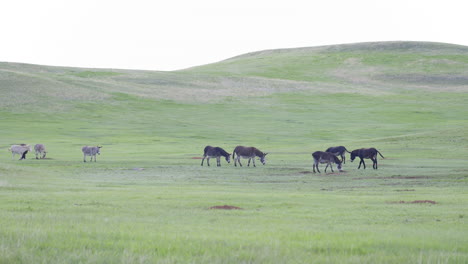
(327, 173)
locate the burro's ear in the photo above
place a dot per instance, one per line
(266, 154)
(99, 146)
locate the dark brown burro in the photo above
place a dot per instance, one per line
(366, 153)
(325, 157)
(248, 153)
(215, 152)
(338, 151)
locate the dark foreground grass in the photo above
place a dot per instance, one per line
(147, 199)
(109, 213)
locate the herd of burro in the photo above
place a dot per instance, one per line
(329, 156)
(41, 152)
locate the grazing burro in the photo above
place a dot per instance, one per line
(248, 153)
(40, 151)
(366, 153)
(338, 151)
(21, 149)
(325, 157)
(90, 151)
(215, 152)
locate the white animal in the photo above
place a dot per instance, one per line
(90, 151)
(40, 150)
(21, 149)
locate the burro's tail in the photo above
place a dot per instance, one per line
(234, 154)
(347, 150)
(380, 154)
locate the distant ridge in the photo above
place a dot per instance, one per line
(384, 46)
(400, 46)
(368, 68)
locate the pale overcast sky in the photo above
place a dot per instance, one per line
(176, 34)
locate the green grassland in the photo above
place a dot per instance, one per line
(147, 199)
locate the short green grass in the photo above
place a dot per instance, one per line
(147, 199)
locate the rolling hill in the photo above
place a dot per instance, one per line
(331, 92)
(366, 68)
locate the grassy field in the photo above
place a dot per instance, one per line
(148, 200)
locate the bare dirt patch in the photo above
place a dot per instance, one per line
(337, 172)
(396, 177)
(406, 177)
(414, 202)
(225, 207)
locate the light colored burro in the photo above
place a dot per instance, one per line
(248, 153)
(90, 151)
(21, 149)
(40, 151)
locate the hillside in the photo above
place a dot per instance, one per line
(365, 68)
(377, 65)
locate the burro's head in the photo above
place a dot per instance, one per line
(338, 162)
(262, 158)
(354, 154)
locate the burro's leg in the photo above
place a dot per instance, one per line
(374, 165)
(23, 156)
(316, 166)
(238, 159)
(362, 162)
